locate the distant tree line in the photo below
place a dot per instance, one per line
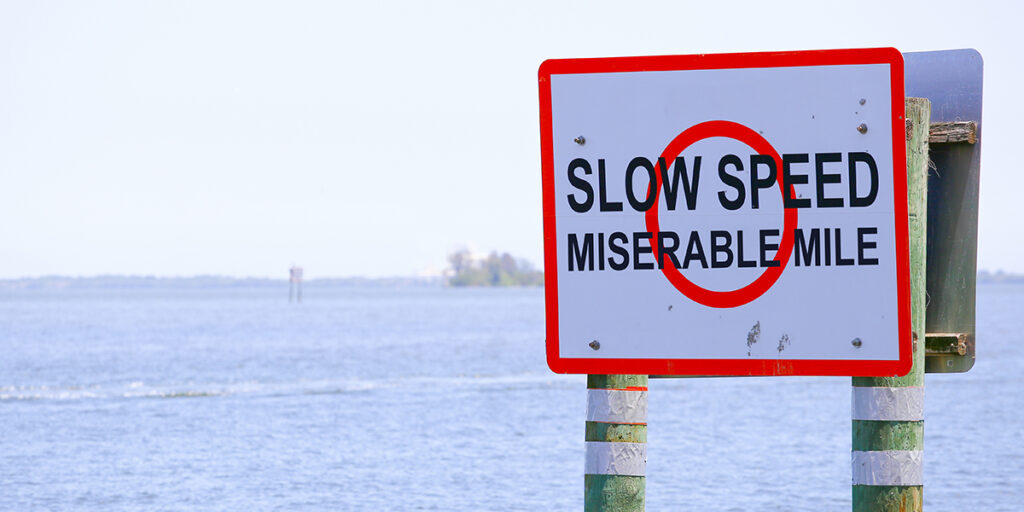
(999, 276)
(493, 270)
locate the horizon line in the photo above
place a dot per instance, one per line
(422, 276)
(214, 276)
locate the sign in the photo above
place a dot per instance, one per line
(952, 81)
(736, 214)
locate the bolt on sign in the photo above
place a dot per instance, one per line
(735, 214)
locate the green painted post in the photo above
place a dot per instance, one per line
(888, 412)
(616, 443)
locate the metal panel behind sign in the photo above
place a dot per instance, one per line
(741, 214)
(952, 80)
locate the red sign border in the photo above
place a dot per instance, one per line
(738, 367)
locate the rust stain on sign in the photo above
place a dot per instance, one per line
(783, 342)
(753, 336)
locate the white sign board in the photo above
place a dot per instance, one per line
(741, 214)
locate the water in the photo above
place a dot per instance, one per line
(424, 398)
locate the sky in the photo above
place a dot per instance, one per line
(369, 138)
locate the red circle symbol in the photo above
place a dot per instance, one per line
(746, 294)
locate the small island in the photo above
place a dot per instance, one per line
(492, 270)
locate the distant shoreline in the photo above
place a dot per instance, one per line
(211, 281)
(999, 277)
(205, 281)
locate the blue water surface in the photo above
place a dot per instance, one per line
(419, 397)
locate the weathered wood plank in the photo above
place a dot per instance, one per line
(947, 133)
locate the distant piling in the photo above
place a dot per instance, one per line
(295, 284)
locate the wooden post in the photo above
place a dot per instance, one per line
(616, 443)
(888, 412)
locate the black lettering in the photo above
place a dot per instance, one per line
(765, 247)
(641, 206)
(671, 186)
(734, 181)
(606, 205)
(638, 250)
(717, 248)
(863, 245)
(600, 251)
(618, 249)
(867, 200)
(581, 184)
(828, 247)
(665, 250)
(740, 262)
(756, 184)
(821, 178)
(583, 257)
(694, 250)
(806, 247)
(789, 179)
(839, 251)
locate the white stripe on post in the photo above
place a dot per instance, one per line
(616, 406)
(605, 458)
(890, 467)
(888, 404)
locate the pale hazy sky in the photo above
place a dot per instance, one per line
(370, 138)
